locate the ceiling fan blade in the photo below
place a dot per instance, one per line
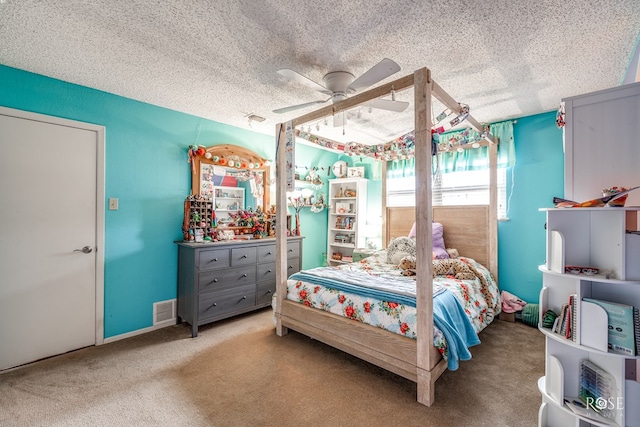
(297, 107)
(294, 76)
(373, 75)
(386, 104)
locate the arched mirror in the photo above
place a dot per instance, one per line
(233, 177)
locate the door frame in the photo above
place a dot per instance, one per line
(100, 200)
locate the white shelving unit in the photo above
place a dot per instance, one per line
(589, 237)
(347, 208)
(227, 199)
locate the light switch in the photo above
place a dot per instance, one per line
(113, 204)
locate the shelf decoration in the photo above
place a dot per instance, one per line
(297, 202)
(249, 222)
(199, 220)
(619, 200)
(609, 198)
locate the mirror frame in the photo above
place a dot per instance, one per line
(235, 153)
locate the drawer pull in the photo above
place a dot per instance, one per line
(244, 297)
(214, 304)
(244, 275)
(269, 253)
(290, 267)
(269, 271)
(243, 256)
(269, 291)
(290, 250)
(215, 259)
(215, 280)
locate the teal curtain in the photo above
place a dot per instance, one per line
(478, 159)
(467, 160)
(401, 168)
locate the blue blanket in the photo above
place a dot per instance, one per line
(450, 318)
(448, 314)
(394, 288)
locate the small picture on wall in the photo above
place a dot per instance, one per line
(356, 172)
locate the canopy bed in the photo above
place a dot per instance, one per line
(414, 358)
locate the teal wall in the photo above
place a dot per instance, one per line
(147, 170)
(313, 226)
(537, 176)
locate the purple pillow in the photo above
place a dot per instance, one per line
(439, 250)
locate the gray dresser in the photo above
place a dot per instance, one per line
(219, 280)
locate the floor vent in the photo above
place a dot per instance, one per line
(164, 311)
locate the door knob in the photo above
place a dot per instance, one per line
(86, 250)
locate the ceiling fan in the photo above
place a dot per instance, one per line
(340, 84)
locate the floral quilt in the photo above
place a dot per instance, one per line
(479, 298)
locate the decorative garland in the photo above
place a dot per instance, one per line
(230, 161)
(403, 147)
(560, 116)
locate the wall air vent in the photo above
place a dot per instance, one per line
(164, 311)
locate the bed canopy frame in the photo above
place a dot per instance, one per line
(417, 360)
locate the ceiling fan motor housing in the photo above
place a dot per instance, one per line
(338, 83)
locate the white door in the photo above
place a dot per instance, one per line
(48, 214)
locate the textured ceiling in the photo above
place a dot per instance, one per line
(218, 59)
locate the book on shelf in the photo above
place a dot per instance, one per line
(562, 327)
(596, 385)
(565, 323)
(621, 336)
(573, 303)
(636, 326)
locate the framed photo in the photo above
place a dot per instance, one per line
(356, 172)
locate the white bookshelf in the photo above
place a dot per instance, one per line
(589, 237)
(347, 216)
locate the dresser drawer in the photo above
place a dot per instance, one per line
(293, 249)
(293, 266)
(214, 258)
(243, 256)
(228, 278)
(227, 301)
(265, 293)
(266, 253)
(266, 272)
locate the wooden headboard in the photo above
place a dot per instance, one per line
(466, 228)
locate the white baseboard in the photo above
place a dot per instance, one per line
(159, 325)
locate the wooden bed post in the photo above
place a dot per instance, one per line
(281, 226)
(493, 213)
(424, 238)
(385, 237)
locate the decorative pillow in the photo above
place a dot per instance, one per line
(399, 248)
(439, 250)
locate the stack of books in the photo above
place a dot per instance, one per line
(565, 323)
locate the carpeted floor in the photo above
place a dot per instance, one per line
(237, 372)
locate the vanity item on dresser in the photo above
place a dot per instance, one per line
(222, 279)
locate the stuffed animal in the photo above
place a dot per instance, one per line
(399, 248)
(408, 266)
(453, 267)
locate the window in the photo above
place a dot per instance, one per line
(455, 188)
